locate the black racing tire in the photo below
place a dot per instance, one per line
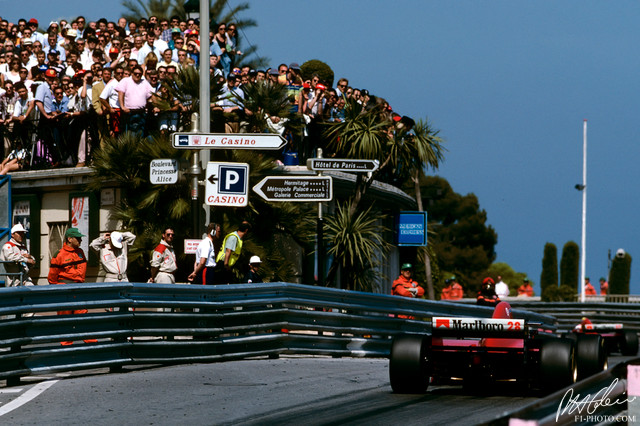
(408, 364)
(629, 343)
(591, 354)
(572, 336)
(558, 367)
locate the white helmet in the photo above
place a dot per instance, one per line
(255, 259)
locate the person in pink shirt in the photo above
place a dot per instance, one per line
(133, 95)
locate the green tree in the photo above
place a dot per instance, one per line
(315, 66)
(268, 100)
(424, 149)
(356, 244)
(620, 274)
(569, 265)
(370, 134)
(549, 274)
(463, 241)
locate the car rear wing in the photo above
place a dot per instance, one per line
(478, 327)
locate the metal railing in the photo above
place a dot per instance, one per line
(569, 314)
(169, 324)
(5, 274)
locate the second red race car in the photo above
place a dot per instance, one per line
(616, 337)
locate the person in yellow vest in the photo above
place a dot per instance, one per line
(229, 254)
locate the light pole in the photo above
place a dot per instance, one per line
(583, 187)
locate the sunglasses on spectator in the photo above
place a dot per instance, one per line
(137, 74)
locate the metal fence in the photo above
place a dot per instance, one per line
(169, 324)
(569, 314)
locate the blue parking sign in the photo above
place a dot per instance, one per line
(232, 179)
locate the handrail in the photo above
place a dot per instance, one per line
(11, 274)
(141, 323)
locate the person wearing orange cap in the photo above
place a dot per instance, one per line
(406, 286)
(487, 295)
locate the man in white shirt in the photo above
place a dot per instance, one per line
(206, 257)
(502, 289)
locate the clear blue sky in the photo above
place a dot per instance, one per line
(508, 83)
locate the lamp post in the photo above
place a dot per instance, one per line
(583, 187)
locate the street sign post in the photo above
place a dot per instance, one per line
(227, 141)
(227, 184)
(342, 165)
(163, 171)
(295, 188)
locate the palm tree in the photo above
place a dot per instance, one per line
(355, 242)
(266, 99)
(423, 149)
(403, 155)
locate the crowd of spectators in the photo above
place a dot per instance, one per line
(66, 89)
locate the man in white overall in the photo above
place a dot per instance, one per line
(112, 249)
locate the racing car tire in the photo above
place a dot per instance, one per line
(591, 354)
(558, 367)
(408, 364)
(629, 343)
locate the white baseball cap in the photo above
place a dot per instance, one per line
(255, 259)
(116, 239)
(18, 228)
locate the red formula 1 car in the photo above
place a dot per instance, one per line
(616, 337)
(482, 350)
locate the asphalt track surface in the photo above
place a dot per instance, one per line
(287, 391)
(291, 390)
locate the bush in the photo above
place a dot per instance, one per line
(315, 66)
(620, 275)
(549, 275)
(564, 293)
(570, 265)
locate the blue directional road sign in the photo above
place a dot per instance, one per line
(227, 184)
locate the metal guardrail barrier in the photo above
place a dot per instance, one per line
(5, 274)
(569, 314)
(169, 324)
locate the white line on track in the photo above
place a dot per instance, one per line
(27, 396)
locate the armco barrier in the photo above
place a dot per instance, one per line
(169, 324)
(569, 314)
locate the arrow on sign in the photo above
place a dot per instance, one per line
(343, 164)
(227, 141)
(213, 179)
(298, 188)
